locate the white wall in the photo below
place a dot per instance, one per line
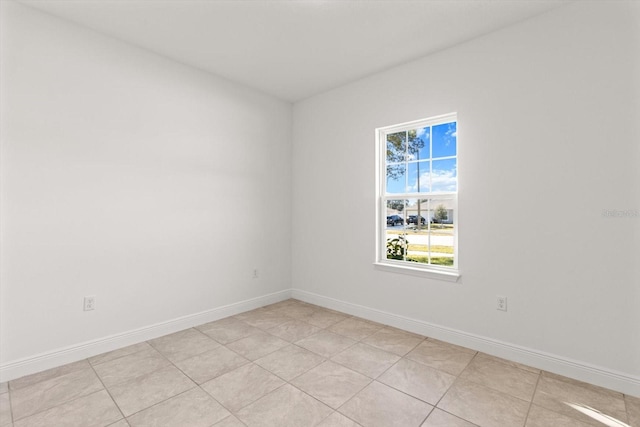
(151, 185)
(548, 138)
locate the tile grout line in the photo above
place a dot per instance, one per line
(170, 364)
(10, 404)
(14, 420)
(148, 373)
(107, 390)
(119, 357)
(535, 389)
(61, 404)
(457, 377)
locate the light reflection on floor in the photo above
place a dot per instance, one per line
(597, 415)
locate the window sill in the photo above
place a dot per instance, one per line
(449, 276)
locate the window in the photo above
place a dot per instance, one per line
(417, 196)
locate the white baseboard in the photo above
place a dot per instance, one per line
(31, 365)
(619, 381)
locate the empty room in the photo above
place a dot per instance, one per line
(319, 213)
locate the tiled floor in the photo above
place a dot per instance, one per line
(295, 364)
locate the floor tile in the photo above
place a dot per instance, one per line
(48, 374)
(284, 407)
(394, 341)
(279, 304)
(420, 381)
(230, 421)
(502, 377)
(250, 313)
(228, 330)
(324, 318)
(5, 410)
(184, 344)
(481, 355)
(379, 405)
(633, 410)
(256, 346)
(149, 389)
(193, 408)
(356, 329)
(263, 319)
(558, 394)
(131, 366)
(331, 383)
(325, 343)
(295, 310)
(121, 423)
(484, 406)
(121, 352)
(541, 417)
(583, 385)
(443, 356)
(439, 418)
(96, 409)
(367, 360)
(290, 361)
(52, 392)
(211, 364)
(293, 330)
(242, 386)
(338, 420)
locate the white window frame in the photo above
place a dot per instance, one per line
(400, 266)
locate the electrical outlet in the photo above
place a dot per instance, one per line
(501, 303)
(255, 273)
(89, 303)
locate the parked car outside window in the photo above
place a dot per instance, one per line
(395, 220)
(412, 219)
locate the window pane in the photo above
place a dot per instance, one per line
(417, 208)
(442, 232)
(418, 148)
(418, 177)
(396, 214)
(444, 175)
(417, 230)
(444, 140)
(396, 247)
(396, 147)
(396, 178)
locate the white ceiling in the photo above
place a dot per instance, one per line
(297, 48)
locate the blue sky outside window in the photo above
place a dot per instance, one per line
(444, 140)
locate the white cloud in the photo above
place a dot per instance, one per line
(441, 180)
(422, 133)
